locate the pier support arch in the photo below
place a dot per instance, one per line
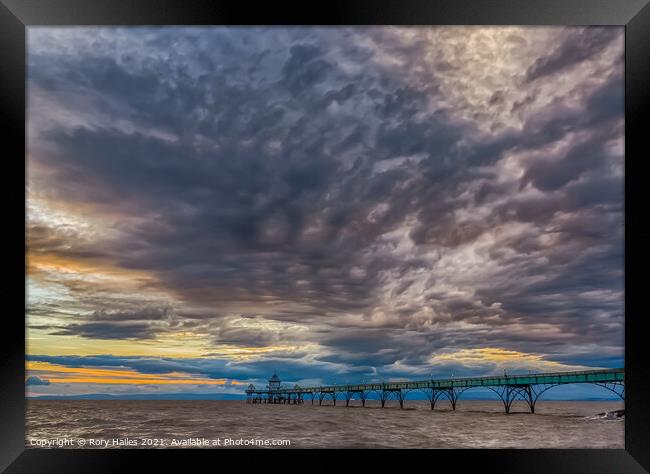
(397, 393)
(350, 393)
(322, 395)
(617, 387)
(528, 393)
(452, 394)
(433, 395)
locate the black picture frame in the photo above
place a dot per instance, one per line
(16, 15)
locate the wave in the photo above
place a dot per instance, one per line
(608, 415)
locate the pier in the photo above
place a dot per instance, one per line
(509, 388)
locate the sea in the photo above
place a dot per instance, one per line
(218, 424)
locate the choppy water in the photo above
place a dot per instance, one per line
(474, 424)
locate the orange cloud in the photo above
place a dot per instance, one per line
(39, 262)
(134, 381)
(62, 374)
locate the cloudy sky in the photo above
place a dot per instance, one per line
(208, 205)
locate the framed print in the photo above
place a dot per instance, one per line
(387, 226)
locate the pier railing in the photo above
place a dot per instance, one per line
(587, 376)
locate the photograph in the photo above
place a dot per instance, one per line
(379, 236)
(398, 231)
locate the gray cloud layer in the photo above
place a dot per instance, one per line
(301, 177)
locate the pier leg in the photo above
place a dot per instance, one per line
(508, 400)
(453, 398)
(529, 399)
(432, 399)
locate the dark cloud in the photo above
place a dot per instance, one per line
(34, 380)
(304, 69)
(108, 330)
(132, 323)
(578, 45)
(302, 175)
(583, 157)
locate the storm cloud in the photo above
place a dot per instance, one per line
(34, 380)
(336, 200)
